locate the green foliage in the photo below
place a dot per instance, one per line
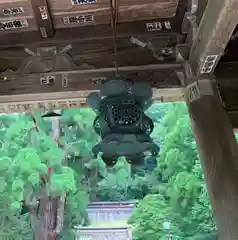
(115, 185)
(174, 191)
(62, 181)
(27, 158)
(146, 220)
(179, 193)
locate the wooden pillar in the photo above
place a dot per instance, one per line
(212, 129)
(215, 30)
(218, 152)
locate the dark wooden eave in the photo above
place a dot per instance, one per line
(93, 45)
(91, 50)
(86, 33)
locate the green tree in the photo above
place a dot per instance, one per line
(116, 183)
(180, 194)
(149, 216)
(34, 173)
(39, 173)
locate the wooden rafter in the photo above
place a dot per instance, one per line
(43, 18)
(129, 24)
(157, 75)
(217, 25)
(78, 34)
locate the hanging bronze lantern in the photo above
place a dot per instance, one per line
(121, 121)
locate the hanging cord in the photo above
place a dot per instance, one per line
(113, 4)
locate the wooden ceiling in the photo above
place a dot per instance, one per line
(85, 40)
(87, 27)
(52, 50)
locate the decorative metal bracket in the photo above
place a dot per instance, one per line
(46, 59)
(159, 46)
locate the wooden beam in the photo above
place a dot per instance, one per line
(161, 95)
(217, 25)
(219, 153)
(100, 53)
(64, 100)
(102, 31)
(43, 18)
(157, 75)
(150, 67)
(77, 34)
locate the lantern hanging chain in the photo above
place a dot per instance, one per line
(114, 25)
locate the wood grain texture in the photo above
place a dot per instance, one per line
(93, 32)
(141, 2)
(70, 35)
(166, 9)
(15, 4)
(100, 53)
(97, 53)
(100, 16)
(63, 6)
(44, 23)
(217, 25)
(158, 75)
(11, 32)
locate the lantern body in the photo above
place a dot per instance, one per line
(122, 124)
